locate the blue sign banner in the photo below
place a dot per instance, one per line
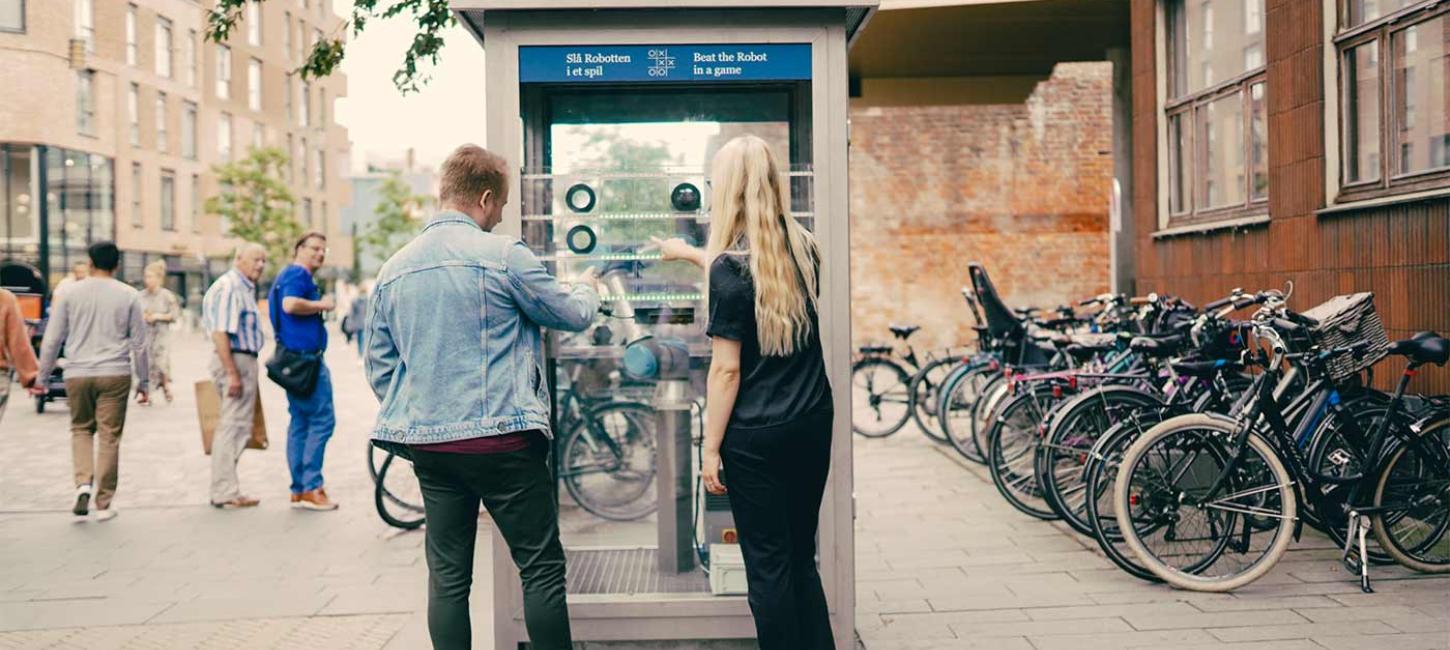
(634, 63)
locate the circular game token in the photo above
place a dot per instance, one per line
(581, 239)
(580, 198)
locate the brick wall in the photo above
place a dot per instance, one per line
(1024, 189)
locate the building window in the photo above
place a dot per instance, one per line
(223, 72)
(130, 34)
(304, 113)
(196, 203)
(162, 135)
(188, 131)
(168, 200)
(320, 170)
(287, 98)
(259, 135)
(133, 114)
(292, 160)
(86, 102)
(254, 85)
(224, 136)
(1216, 111)
(163, 47)
(12, 16)
(136, 215)
(302, 160)
(287, 36)
(1394, 65)
(307, 214)
(86, 23)
(322, 107)
(188, 57)
(254, 24)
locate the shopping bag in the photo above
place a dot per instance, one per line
(208, 413)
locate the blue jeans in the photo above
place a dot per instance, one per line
(312, 423)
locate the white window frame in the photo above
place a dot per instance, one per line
(223, 72)
(254, 24)
(85, 19)
(86, 102)
(162, 133)
(167, 200)
(189, 59)
(131, 46)
(133, 114)
(21, 26)
(137, 178)
(224, 137)
(189, 116)
(165, 44)
(254, 84)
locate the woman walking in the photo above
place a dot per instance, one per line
(767, 397)
(161, 308)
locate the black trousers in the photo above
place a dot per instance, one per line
(775, 478)
(517, 488)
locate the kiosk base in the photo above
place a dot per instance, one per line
(628, 571)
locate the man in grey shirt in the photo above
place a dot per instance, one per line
(100, 324)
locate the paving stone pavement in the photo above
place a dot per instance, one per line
(943, 562)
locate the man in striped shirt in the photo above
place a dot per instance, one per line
(229, 314)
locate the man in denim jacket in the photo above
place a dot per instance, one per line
(454, 353)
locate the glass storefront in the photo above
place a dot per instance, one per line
(79, 204)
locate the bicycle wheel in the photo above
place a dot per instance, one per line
(396, 494)
(1101, 473)
(1412, 501)
(880, 399)
(984, 413)
(957, 400)
(1202, 545)
(1012, 449)
(1061, 464)
(1336, 453)
(923, 393)
(608, 462)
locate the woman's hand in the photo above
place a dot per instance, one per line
(675, 248)
(710, 473)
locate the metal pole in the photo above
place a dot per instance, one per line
(43, 212)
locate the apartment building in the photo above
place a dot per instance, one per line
(116, 112)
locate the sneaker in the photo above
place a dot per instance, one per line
(316, 500)
(296, 499)
(237, 503)
(83, 501)
(105, 515)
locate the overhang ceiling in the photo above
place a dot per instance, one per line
(935, 38)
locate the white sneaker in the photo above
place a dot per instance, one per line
(105, 515)
(83, 500)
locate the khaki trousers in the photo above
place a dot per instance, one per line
(97, 409)
(233, 428)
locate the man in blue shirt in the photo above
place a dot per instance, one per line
(296, 307)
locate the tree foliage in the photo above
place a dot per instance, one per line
(431, 17)
(398, 216)
(255, 204)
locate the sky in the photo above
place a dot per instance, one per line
(382, 122)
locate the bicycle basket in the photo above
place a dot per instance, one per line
(1345, 320)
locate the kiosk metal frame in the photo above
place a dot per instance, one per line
(828, 26)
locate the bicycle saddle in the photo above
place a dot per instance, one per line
(904, 331)
(1204, 368)
(1163, 346)
(1422, 348)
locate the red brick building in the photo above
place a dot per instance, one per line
(1303, 140)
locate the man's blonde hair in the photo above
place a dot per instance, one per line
(470, 171)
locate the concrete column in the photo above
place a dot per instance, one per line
(1121, 228)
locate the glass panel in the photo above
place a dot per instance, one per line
(1363, 11)
(1421, 64)
(162, 136)
(188, 131)
(18, 193)
(1258, 143)
(1221, 152)
(103, 209)
(131, 35)
(136, 214)
(85, 102)
(196, 203)
(1178, 172)
(189, 57)
(12, 15)
(168, 200)
(224, 137)
(1362, 113)
(163, 47)
(254, 85)
(133, 113)
(1211, 41)
(223, 71)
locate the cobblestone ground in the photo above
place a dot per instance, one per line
(943, 562)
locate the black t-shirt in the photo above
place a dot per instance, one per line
(773, 390)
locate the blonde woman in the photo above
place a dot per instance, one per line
(160, 309)
(767, 397)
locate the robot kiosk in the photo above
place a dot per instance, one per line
(610, 111)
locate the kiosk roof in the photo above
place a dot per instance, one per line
(857, 11)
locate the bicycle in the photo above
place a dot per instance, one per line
(1232, 481)
(882, 379)
(607, 455)
(396, 494)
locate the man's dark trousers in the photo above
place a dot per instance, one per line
(517, 488)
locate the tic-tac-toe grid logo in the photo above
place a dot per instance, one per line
(663, 63)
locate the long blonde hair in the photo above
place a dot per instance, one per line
(750, 213)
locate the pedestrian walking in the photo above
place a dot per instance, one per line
(229, 314)
(98, 322)
(352, 324)
(80, 270)
(161, 309)
(768, 400)
(476, 431)
(16, 356)
(296, 307)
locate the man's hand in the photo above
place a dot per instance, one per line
(589, 277)
(36, 389)
(142, 397)
(234, 385)
(327, 304)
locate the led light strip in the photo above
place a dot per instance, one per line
(652, 297)
(636, 175)
(635, 216)
(606, 257)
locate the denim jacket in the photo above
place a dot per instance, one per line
(454, 348)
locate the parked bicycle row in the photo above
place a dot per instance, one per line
(1192, 444)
